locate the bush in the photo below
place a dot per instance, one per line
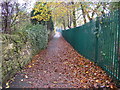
(38, 36)
(19, 48)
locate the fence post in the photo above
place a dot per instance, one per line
(96, 41)
(119, 42)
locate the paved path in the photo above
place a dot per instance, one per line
(60, 66)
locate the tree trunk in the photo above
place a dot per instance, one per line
(89, 17)
(6, 17)
(74, 17)
(69, 19)
(83, 12)
(64, 24)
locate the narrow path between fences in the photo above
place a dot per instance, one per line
(60, 66)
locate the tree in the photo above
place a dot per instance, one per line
(6, 13)
(12, 15)
(64, 13)
(114, 5)
(90, 10)
(42, 14)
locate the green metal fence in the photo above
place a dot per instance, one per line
(99, 41)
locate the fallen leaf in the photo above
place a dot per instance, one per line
(45, 71)
(29, 82)
(111, 86)
(26, 76)
(65, 62)
(22, 80)
(55, 82)
(7, 85)
(98, 81)
(29, 66)
(0, 87)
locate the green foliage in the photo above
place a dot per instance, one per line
(114, 5)
(20, 47)
(33, 21)
(38, 37)
(39, 16)
(50, 24)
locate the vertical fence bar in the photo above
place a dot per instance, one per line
(119, 43)
(106, 42)
(96, 43)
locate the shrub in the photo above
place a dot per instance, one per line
(19, 48)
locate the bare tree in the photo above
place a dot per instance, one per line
(11, 15)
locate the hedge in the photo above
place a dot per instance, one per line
(19, 48)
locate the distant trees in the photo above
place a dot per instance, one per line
(72, 14)
(42, 14)
(60, 14)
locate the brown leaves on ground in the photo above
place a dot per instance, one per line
(60, 66)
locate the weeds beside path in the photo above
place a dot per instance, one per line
(60, 66)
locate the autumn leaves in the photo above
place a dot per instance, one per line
(41, 12)
(60, 66)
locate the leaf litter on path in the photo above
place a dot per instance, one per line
(61, 63)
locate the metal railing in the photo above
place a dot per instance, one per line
(99, 41)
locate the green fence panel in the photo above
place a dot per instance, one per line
(108, 43)
(99, 41)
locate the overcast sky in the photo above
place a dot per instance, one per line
(30, 4)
